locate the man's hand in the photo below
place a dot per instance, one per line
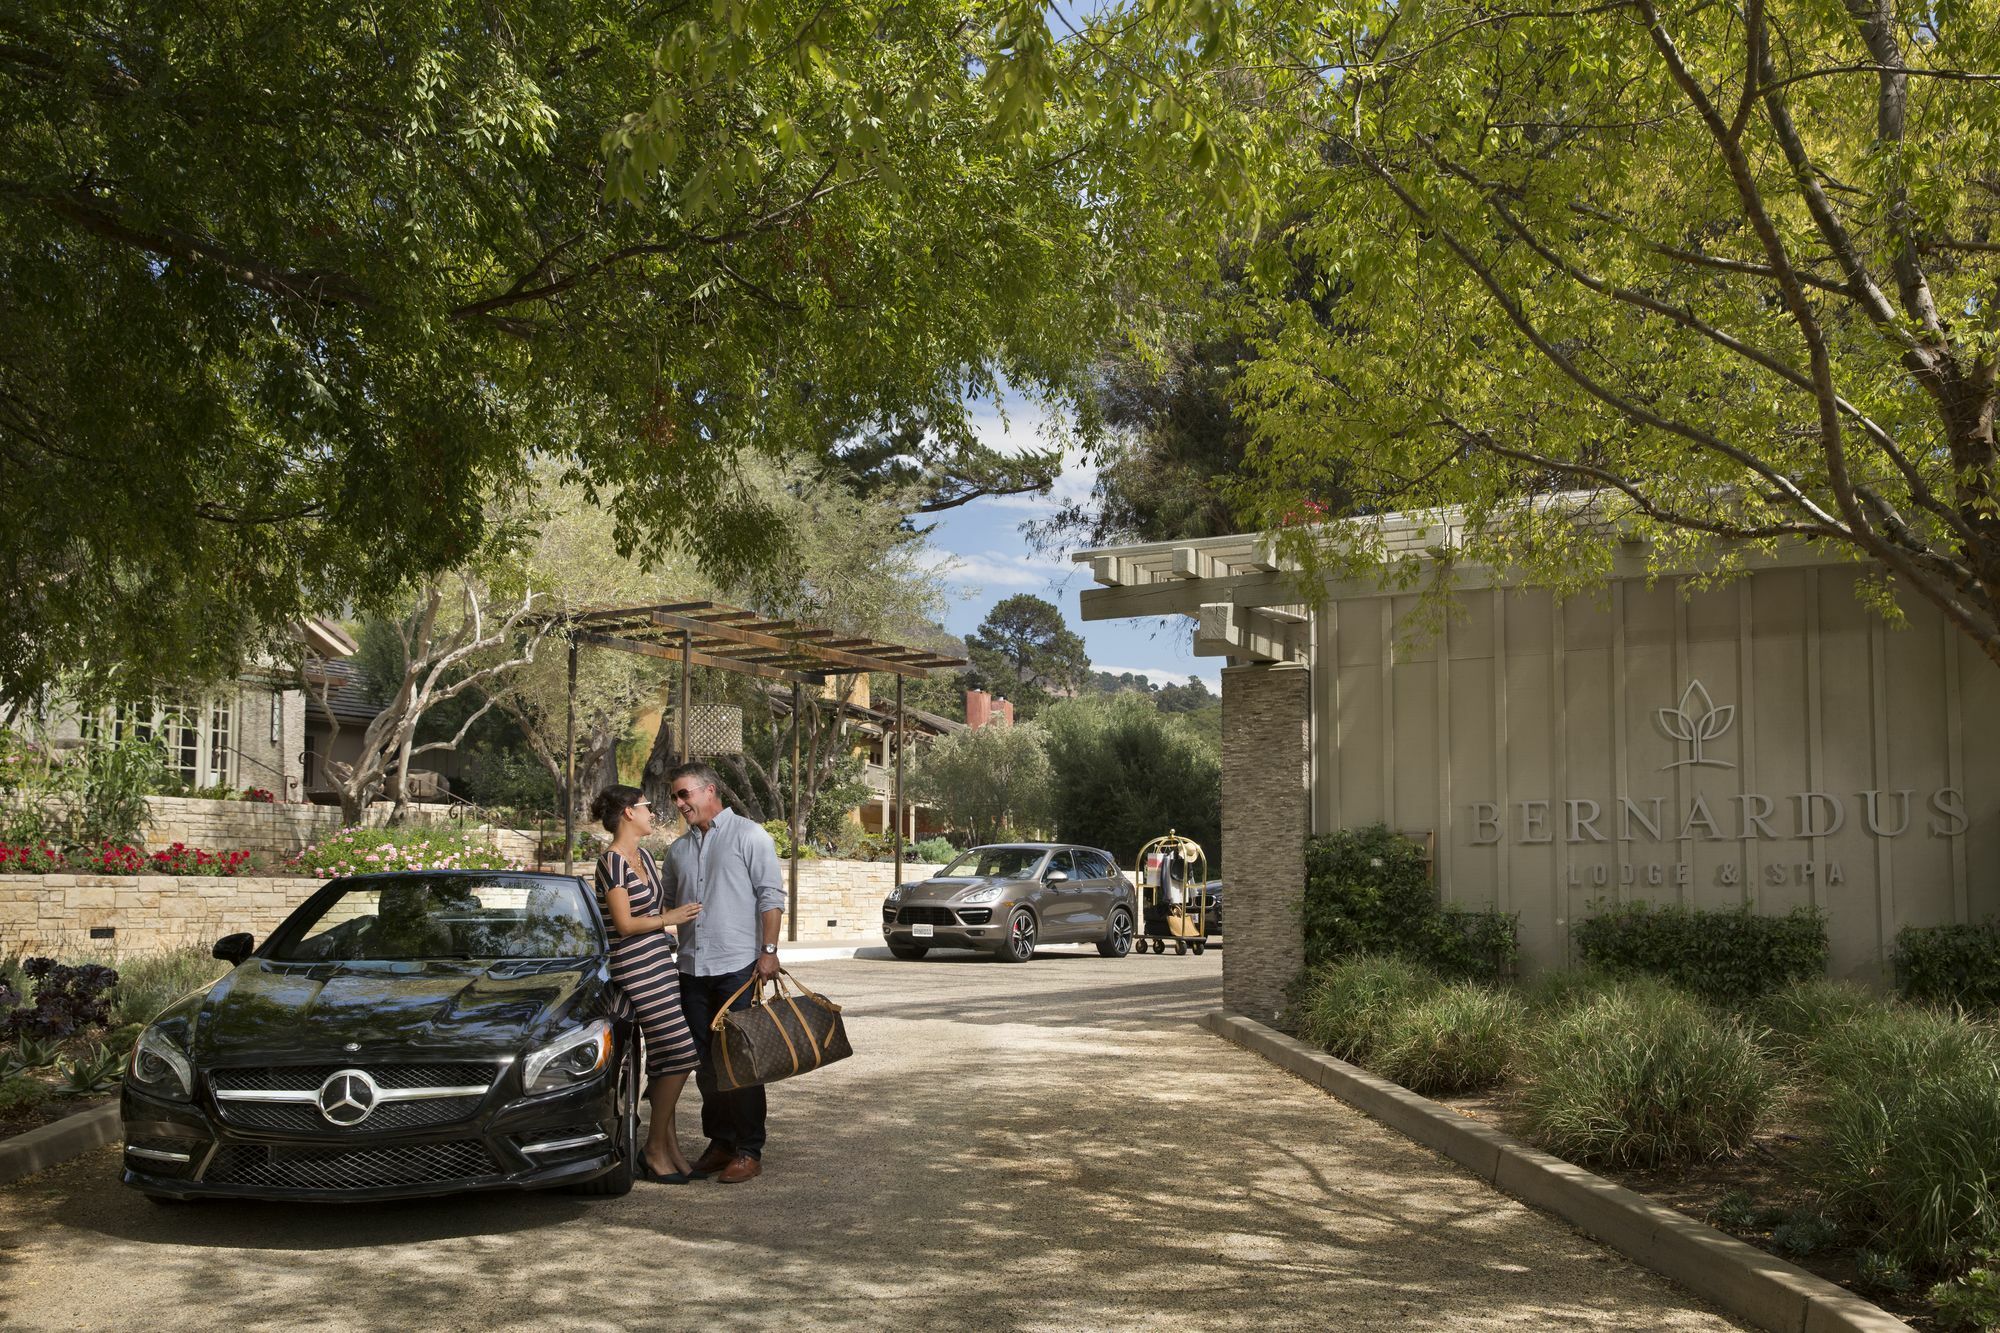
(767, 965)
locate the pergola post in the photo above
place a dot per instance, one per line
(569, 768)
(897, 878)
(792, 871)
(687, 670)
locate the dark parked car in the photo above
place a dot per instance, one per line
(1007, 898)
(399, 1035)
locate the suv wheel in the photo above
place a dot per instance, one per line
(1118, 942)
(1019, 945)
(909, 952)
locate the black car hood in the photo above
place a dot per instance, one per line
(300, 1010)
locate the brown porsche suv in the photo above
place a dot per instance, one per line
(1007, 898)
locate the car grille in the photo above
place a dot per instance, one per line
(927, 916)
(304, 1117)
(307, 1078)
(354, 1168)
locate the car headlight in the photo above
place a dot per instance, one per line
(894, 894)
(991, 893)
(569, 1059)
(160, 1067)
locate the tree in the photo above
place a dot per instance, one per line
(1122, 775)
(287, 295)
(1716, 278)
(445, 647)
(991, 784)
(1024, 651)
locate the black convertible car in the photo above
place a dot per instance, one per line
(399, 1035)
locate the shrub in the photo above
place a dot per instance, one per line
(1909, 1121)
(1796, 1017)
(1344, 1006)
(781, 834)
(22, 1093)
(1643, 1076)
(1726, 956)
(1949, 964)
(1457, 1040)
(933, 851)
(1973, 1301)
(150, 982)
(358, 851)
(1368, 891)
(66, 1001)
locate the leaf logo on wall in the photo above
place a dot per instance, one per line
(1697, 721)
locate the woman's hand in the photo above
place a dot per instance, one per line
(680, 916)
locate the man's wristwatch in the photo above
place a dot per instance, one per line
(771, 950)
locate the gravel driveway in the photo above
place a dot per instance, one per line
(1050, 1146)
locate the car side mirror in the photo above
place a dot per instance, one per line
(235, 948)
(1056, 877)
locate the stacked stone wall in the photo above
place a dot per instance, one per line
(1266, 768)
(57, 914)
(270, 832)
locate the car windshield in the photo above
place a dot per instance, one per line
(994, 863)
(443, 916)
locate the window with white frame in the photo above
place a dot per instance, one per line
(198, 735)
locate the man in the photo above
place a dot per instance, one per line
(729, 865)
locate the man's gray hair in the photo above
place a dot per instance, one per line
(697, 770)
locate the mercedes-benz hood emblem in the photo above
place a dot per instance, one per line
(347, 1098)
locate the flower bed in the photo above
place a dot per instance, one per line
(122, 859)
(358, 851)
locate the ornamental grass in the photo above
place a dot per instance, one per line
(1645, 1075)
(1460, 1039)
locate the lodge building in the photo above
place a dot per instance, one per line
(1768, 741)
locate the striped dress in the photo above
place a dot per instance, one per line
(644, 966)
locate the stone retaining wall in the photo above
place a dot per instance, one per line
(269, 832)
(55, 914)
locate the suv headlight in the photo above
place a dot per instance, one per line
(991, 893)
(160, 1067)
(569, 1059)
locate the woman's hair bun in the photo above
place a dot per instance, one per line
(611, 805)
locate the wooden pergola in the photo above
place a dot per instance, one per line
(729, 638)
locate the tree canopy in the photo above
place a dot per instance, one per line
(1025, 651)
(287, 294)
(1123, 774)
(1716, 278)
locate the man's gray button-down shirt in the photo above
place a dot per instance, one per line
(732, 871)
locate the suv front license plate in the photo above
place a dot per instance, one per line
(923, 932)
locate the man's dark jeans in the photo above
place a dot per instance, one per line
(733, 1119)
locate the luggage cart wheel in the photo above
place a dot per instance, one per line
(1180, 947)
(1197, 948)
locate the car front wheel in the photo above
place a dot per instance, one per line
(1118, 941)
(909, 952)
(618, 1180)
(1019, 945)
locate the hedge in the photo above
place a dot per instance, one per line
(1729, 956)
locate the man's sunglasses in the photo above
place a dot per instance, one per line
(683, 793)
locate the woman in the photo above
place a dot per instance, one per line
(643, 964)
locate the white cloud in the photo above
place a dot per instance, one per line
(1004, 569)
(1162, 675)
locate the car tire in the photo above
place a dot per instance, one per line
(1018, 944)
(1117, 942)
(909, 953)
(631, 1075)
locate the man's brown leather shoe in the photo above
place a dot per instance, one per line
(715, 1159)
(745, 1167)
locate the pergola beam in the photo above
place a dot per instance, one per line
(666, 654)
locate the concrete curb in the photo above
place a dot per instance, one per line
(72, 1136)
(1748, 1283)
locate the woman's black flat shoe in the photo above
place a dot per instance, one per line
(674, 1177)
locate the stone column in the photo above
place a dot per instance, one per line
(1266, 813)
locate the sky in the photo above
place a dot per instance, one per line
(985, 559)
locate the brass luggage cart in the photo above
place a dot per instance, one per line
(1171, 874)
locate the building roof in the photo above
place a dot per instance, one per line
(348, 695)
